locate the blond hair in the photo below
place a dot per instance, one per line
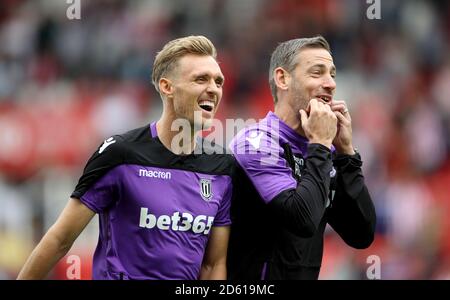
(166, 59)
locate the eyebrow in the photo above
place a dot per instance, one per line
(322, 66)
(219, 77)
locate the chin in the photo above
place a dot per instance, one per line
(202, 125)
(207, 123)
(202, 120)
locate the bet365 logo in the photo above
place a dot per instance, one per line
(176, 222)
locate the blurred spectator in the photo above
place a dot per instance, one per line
(65, 85)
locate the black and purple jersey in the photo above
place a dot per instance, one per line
(287, 191)
(156, 209)
(259, 151)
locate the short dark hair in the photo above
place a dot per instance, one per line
(285, 54)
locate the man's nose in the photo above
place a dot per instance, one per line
(213, 88)
(329, 83)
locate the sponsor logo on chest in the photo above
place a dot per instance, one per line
(178, 221)
(205, 185)
(155, 174)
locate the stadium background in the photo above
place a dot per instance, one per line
(65, 85)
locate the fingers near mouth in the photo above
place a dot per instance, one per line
(338, 107)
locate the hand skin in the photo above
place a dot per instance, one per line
(320, 126)
(214, 265)
(343, 139)
(57, 241)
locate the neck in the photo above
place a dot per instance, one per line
(289, 117)
(181, 140)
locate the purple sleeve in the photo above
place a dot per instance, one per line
(223, 213)
(259, 154)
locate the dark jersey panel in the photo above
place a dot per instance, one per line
(287, 190)
(139, 147)
(263, 243)
(109, 155)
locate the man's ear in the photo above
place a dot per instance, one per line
(166, 87)
(282, 78)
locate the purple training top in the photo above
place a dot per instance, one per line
(156, 209)
(257, 149)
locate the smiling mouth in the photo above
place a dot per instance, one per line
(206, 105)
(325, 98)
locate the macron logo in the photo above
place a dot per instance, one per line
(154, 174)
(106, 143)
(254, 139)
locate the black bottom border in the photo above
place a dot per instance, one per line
(377, 289)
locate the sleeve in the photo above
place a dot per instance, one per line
(352, 214)
(223, 214)
(97, 187)
(299, 207)
(259, 154)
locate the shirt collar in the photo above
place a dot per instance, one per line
(288, 134)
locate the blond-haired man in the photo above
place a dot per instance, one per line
(163, 206)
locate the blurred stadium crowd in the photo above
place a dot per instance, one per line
(65, 85)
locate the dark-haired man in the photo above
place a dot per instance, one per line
(297, 172)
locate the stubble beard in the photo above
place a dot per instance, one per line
(300, 100)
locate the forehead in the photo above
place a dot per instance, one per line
(312, 56)
(196, 64)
